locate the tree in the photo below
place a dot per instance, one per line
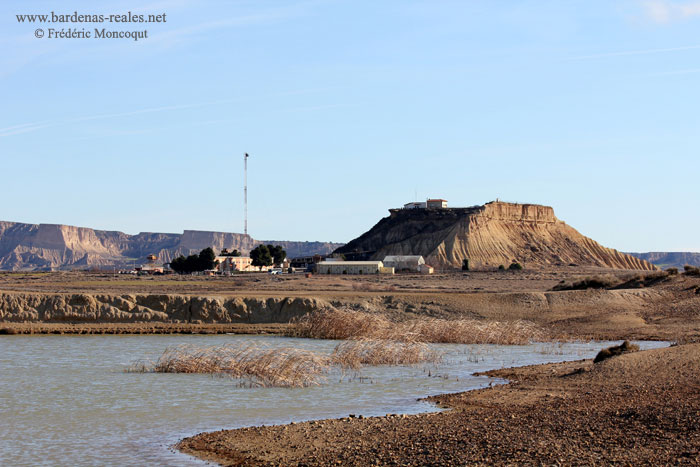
(261, 256)
(207, 259)
(278, 253)
(465, 265)
(194, 263)
(225, 252)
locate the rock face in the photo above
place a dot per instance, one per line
(670, 259)
(98, 308)
(490, 235)
(54, 246)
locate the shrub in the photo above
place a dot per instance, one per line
(341, 324)
(356, 353)
(280, 367)
(672, 271)
(501, 268)
(691, 270)
(515, 267)
(625, 347)
(593, 282)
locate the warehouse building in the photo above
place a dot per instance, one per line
(352, 267)
(404, 262)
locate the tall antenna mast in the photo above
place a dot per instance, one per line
(245, 193)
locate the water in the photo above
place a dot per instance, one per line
(66, 400)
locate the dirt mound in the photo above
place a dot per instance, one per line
(488, 236)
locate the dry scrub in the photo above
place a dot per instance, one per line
(356, 353)
(284, 367)
(281, 367)
(340, 324)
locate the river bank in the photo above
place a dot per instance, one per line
(638, 408)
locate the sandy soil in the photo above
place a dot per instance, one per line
(669, 310)
(638, 408)
(250, 283)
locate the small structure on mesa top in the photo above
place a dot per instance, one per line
(437, 203)
(352, 267)
(430, 204)
(416, 205)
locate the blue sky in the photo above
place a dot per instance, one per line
(349, 108)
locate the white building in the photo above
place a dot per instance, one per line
(352, 267)
(404, 262)
(436, 203)
(415, 205)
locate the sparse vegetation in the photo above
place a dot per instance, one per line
(285, 367)
(281, 367)
(593, 282)
(691, 270)
(515, 267)
(354, 354)
(340, 324)
(625, 347)
(672, 271)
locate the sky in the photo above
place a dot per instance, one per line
(351, 107)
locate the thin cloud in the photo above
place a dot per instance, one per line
(677, 72)
(33, 126)
(636, 52)
(666, 11)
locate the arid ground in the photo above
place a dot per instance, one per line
(638, 408)
(666, 309)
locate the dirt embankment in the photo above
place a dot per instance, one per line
(638, 408)
(666, 312)
(97, 308)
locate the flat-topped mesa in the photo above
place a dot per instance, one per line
(497, 233)
(56, 246)
(499, 210)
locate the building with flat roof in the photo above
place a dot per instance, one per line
(352, 267)
(404, 262)
(436, 203)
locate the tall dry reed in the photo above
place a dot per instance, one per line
(279, 367)
(356, 353)
(340, 324)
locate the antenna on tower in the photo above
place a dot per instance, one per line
(245, 193)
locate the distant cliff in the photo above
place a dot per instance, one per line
(490, 235)
(670, 259)
(54, 246)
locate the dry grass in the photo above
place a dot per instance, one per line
(284, 367)
(279, 367)
(341, 324)
(356, 353)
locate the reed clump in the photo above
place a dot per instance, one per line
(354, 354)
(341, 324)
(266, 367)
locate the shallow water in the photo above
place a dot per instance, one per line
(66, 400)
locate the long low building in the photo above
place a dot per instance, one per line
(352, 267)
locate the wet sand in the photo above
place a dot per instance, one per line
(638, 408)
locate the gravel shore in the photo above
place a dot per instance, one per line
(638, 408)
